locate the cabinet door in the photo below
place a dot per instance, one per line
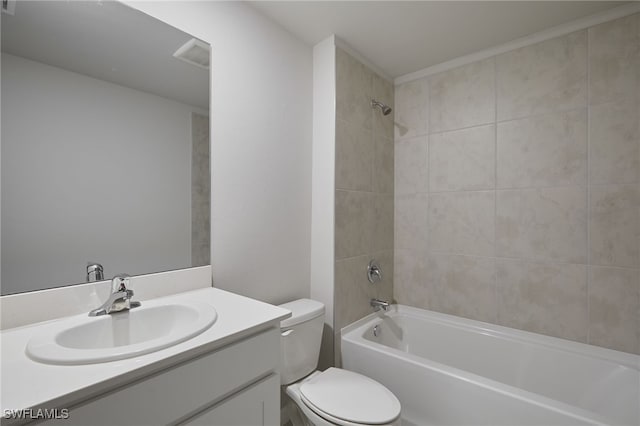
(257, 405)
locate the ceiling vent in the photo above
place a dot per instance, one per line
(195, 52)
(9, 6)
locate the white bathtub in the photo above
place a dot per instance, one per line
(447, 370)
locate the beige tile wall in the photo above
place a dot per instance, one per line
(364, 190)
(517, 188)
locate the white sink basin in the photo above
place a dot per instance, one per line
(153, 326)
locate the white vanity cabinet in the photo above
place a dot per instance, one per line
(237, 384)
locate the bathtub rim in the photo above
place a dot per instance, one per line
(626, 359)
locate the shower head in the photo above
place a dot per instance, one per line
(386, 109)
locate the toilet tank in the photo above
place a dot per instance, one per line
(301, 335)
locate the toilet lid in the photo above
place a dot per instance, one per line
(351, 397)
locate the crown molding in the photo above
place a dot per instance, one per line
(557, 31)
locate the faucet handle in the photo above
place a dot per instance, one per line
(374, 272)
(120, 282)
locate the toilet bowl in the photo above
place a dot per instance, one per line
(334, 396)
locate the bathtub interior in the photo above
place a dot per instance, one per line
(579, 375)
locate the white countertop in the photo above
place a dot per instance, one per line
(29, 384)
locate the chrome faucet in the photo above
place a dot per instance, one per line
(378, 304)
(120, 298)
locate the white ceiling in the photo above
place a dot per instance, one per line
(108, 41)
(400, 37)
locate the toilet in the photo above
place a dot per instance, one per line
(334, 396)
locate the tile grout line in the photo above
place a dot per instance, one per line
(588, 182)
(428, 242)
(488, 189)
(396, 140)
(554, 111)
(522, 188)
(637, 112)
(428, 135)
(525, 259)
(495, 189)
(372, 144)
(393, 197)
(550, 112)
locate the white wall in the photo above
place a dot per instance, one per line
(323, 201)
(261, 103)
(58, 198)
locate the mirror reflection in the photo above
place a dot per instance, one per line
(105, 145)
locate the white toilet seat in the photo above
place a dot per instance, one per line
(327, 418)
(345, 398)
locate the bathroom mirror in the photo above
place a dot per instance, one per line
(105, 144)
